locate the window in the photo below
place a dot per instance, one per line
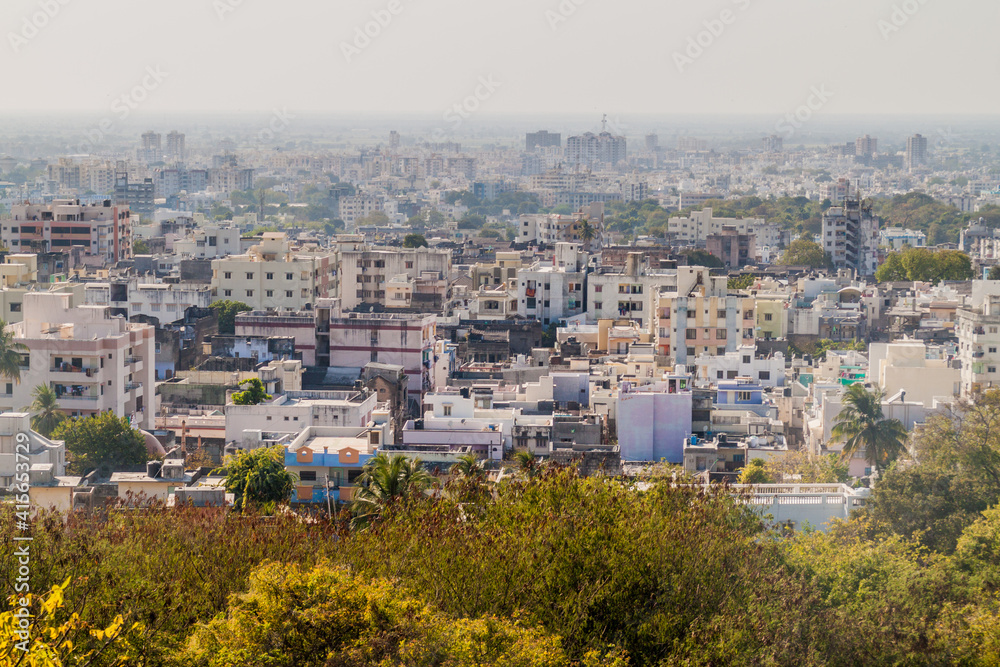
(989, 369)
(598, 288)
(721, 314)
(228, 275)
(720, 374)
(15, 308)
(720, 334)
(270, 292)
(721, 351)
(447, 411)
(993, 329)
(690, 351)
(746, 358)
(743, 396)
(731, 375)
(249, 275)
(227, 292)
(993, 350)
(706, 334)
(409, 265)
(269, 276)
(690, 314)
(768, 317)
(288, 276)
(598, 305)
(692, 334)
(288, 294)
(249, 292)
(764, 375)
(307, 476)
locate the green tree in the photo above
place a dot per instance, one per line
(470, 467)
(925, 265)
(526, 461)
(862, 425)
(226, 312)
(373, 219)
(385, 481)
(755, 472)
(588, 232)
(704, 258)
(803, 252)
(102, 440)
(414, 241)
(12, 354)
(742, 282)
(295, 617)
(258, 478)
(254, 394)
(471, 221)
(140, 247)
(46, 413)
(994, 273)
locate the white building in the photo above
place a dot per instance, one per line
(701, 224)
(93, 361)
(742, 363)
(293, 411)
(896, 238)
(851, 236)
(164, 301)
(553, 290)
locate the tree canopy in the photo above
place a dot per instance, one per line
(102, 440)
(254, 394)
(803, 252)
(925, 265)
(258, 478)
(226, 312)
(414, 241)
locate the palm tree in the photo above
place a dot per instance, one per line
(588, 232)
(526, 461)
(46, 415)
(11, 354)
(469, 467)
(383, 481)
(862, 425)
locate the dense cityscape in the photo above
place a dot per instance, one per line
(573, 370)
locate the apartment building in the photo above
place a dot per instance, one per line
(208, 241)
(978, 330)
(702, 320)
(502, 271)
(358, 206)
(104, 231)
(742, 362)
(94, 361)
(735, 249)
(554, 228)
(274, 276)
(355, 339)
(851, 236)
(590, 149)
(165, 302)
(700, 225)
(630, 293)
(364, 273)
(557, 289)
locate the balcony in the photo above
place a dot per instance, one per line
(132, 386)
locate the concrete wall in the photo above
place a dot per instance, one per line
(653, 426)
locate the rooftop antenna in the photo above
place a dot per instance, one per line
(604, 123)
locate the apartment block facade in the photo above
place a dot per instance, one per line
(105, 230)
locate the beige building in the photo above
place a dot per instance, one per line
(105, 230)
(912, 366)
(702, 224)
(93, 361)
(274, 276)
(365, 274)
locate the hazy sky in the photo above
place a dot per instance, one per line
(542, 56)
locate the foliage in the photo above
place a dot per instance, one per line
(226, 312)
(414, 241)
(471, 221)
(327, 616)
(925, 265)
(469, 466)
(797, 213)
(140, 247)
(915, 210)
(822, 346)
(803, 252)
(385, 481)
(994, 273)
(11, 354)
(805, 469)
(742, 282)
(704, 258)
(258, 478)
(56, 638)
(101, 441)
(373, 219)
(46, 414)
(163, 568)
(254, 393)
(755, 472)
(861, 424)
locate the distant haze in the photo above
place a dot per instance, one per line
(582, 57)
